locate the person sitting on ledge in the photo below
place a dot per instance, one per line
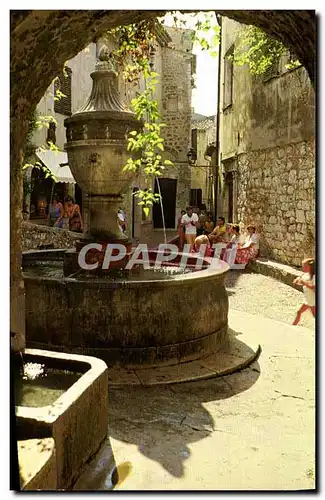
(219, 232)
(228, 254)
(208, 226)
(250, 249)
(74, 214)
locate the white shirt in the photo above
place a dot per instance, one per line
(122, 219)
(252, 239)
(309, 294)
(189, 228)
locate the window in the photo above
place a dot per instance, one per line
(272, 71)
(194, 139)
(193, 64)
(51, 135)
(63, 84)
(228, 80)
(172, 103)
(196, 197)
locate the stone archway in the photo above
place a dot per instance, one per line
(41, 41)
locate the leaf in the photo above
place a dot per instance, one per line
(168, 162)
(146, 211)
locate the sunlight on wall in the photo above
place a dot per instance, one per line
(204, 97)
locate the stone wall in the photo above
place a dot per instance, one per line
(173, 63)
(177, 92)
(267, 144)
(33, 236)
(276, 192)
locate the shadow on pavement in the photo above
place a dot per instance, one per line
(162, 421)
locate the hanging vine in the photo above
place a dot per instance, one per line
(259, 51)
(133, 54)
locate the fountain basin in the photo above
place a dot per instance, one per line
(77, 420)
(148, 320)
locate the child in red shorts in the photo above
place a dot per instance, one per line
(307, 280)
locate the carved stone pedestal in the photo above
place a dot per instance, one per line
(71, 264)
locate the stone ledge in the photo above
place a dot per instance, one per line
(34, 236)
(281, 272)
(238, 354)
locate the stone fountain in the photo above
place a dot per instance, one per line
(97, 150)
(133, 318)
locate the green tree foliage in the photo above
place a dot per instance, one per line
(29, 146)
(253, 46)
(133, 54)
(135, 43)
(258, 50)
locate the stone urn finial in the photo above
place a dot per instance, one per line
(97, 148)
(105, 61)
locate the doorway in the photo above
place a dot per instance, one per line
(196, 197)
(168, 188)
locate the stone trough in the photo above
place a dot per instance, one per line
(55, 441)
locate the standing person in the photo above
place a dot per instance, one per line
(73, 212)
(121, 220)
(307, 280)
(190, 221)
(55, 213)
(180, 229)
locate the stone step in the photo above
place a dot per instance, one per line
(281, 272)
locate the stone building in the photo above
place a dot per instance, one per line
(203, 140)
(75, 83)
(267, 152)
(173, 61)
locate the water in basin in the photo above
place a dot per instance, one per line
(40, 386)
(52, 269)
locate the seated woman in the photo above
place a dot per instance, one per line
(228, 254)
(250, 249)
(73, 212)
(229, 233)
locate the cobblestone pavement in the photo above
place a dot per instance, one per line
(258, 294)
(250, 430)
